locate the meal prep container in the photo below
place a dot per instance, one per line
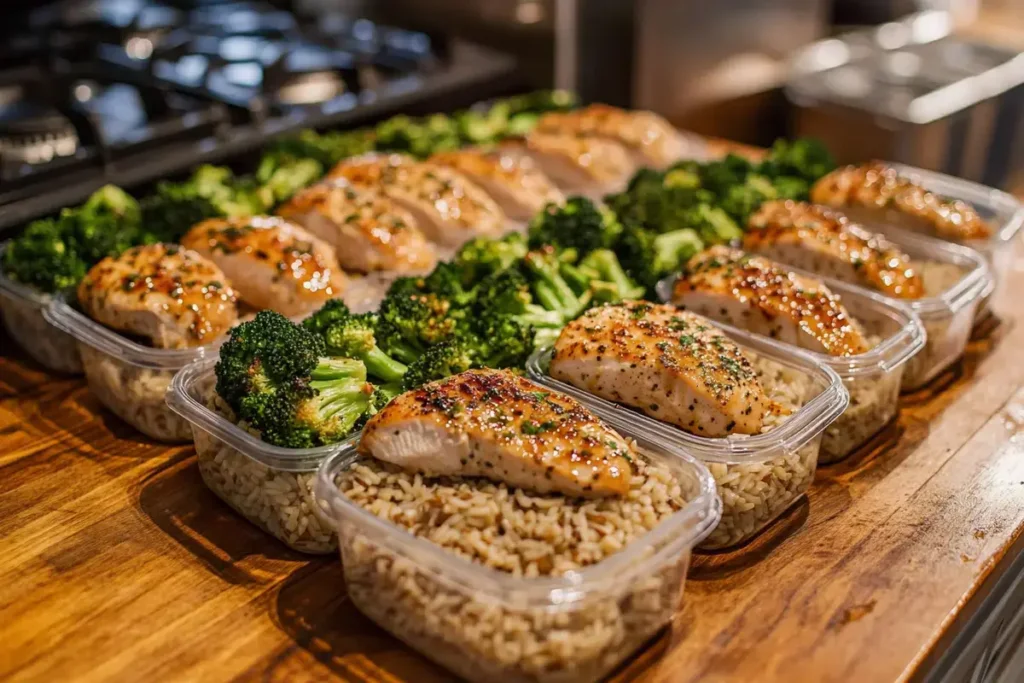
(758, 476)
(488, 625)
(873, 378)
(270, 486)
(128, 378)
(22, 310)
(1002, 211)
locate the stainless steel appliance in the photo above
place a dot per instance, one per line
(913, 91)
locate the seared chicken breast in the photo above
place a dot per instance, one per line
(368, 230)
(575, 163)
(448, 207)
(273, 263)
(168, 295)
(649, 138)
(761, 296)
(513, 181)
(498, 425)
(818, 239)
(671, 364)
(877, 193)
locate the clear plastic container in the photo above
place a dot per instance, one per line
(488, 625)
(1002, 211)
(128, 378)
(873, 378)
(22, 310)
(270, 486)
(758, 476)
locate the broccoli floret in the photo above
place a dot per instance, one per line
(439, 361)
(740, 201)
(284, 175)
(418, 137)
(713, 224)
(604, 265)
(446, 281)
(276, 377)
(173, 208)
(481, 257)
(578, 224)
(41, 258)
(648, 257)
(507, 293)
(718, 176)
(651, 204)
(326, 148)
(806, 158)
(789, 187)
(352, 335)
(412, 320)
(502, 341)
(549, 287)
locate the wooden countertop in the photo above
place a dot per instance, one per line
(116, 563)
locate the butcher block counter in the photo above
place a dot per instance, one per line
(117, 564)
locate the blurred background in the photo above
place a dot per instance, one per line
(129, 91)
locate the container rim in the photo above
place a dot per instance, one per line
(16, 289)
(887, 355)
(697, 519)
(179, 398)
(808, 422)
(64, 317)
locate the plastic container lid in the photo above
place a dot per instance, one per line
(894, 350)
(683, 529)
(184, 397)
(805, 424)
(64, 317)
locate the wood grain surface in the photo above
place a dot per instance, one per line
(117, 564)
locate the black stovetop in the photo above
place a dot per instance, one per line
(128, 91)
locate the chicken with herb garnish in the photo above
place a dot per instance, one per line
(368, 230)
(274, 263)
(447, 206)
(168, 295)
(671, 364)
(877, 193)
(498, 425)
(650, 139)
(825, 242)
(759, 295)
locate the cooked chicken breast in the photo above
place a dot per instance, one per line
(448, 208)
(272, 262)
(513, 181)
(671, 364)
(498, 425)
(650, 139)
(575, 163)
(818, 239)
(169, 295)
(877, 193)
(761, 296)
(368, 230)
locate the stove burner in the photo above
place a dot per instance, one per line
(33, 133)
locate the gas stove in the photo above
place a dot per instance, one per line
(129, 91)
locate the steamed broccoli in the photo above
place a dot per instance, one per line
(549, 287)
(42, 258)
(806, 159)
(648, 257)
(411, 320)
(603, 266)
(351, 335)
(283, 175)
(326, 148)
(276, 377)
(481, 257)
(437, 362)
(578, 224)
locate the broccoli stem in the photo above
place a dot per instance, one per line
(608, 268)
(380, 364)
(672, 248)
(343, 393)
(551, 289)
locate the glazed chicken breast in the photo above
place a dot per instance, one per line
(368, 230)
(649, 139)
(272, 262)
(575, 163)
(448, 207)
(877, 193)
(513, 181)
(671, 364)
(815, 238)
(498, 425)
(168, 295)
(761, 296)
